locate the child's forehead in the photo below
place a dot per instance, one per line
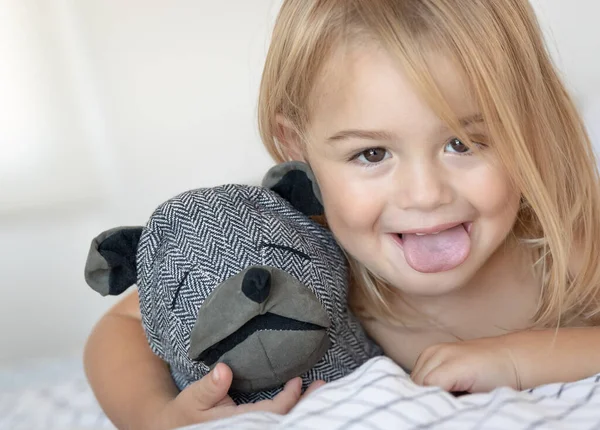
(366, 86)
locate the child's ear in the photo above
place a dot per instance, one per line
(288, 137)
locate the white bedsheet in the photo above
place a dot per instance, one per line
(54, 395)
(379, 395)
(50, 394)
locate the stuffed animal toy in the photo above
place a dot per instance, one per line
(242, 275)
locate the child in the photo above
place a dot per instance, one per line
(456, 174)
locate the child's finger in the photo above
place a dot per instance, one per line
(211, 390)
(282, 403)
(449, 377)
(314, 386)
(424, 367)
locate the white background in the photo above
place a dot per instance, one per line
(107, 108)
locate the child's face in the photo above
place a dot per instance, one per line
(386, 164)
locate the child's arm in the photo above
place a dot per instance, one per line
(548, 356)
(129, 381)
(134, 386)
(519, 360)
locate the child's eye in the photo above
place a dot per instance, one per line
(456, 146)
(372, 156)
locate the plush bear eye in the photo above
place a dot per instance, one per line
(287, 248)
(176, 296)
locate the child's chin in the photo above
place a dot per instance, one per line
(436, 284)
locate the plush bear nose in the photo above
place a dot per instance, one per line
(257, 284)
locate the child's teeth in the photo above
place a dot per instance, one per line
(425, 234)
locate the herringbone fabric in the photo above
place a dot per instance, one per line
(197, 240)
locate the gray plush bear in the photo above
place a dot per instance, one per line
(241, 275)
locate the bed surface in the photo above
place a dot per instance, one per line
(380, 395)
(48, 394)
(53, 394)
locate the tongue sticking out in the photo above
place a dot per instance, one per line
(440, 252)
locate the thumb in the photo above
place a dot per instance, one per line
(211, 390)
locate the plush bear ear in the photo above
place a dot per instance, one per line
(111, 263)
(295, 182)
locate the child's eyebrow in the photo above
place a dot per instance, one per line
(362, 134)
(465, 122)
(471, 119)
(382, 135)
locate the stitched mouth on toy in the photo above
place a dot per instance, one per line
(266, 322)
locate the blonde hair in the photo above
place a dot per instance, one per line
(536, 130)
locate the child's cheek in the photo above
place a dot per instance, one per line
(492, 193)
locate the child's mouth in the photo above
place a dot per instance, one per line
(436, 249)
(433, 231)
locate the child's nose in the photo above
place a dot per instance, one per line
(424, 187)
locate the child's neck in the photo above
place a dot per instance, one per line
(501, 298)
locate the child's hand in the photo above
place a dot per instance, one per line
(207, 400)
(471, 366)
